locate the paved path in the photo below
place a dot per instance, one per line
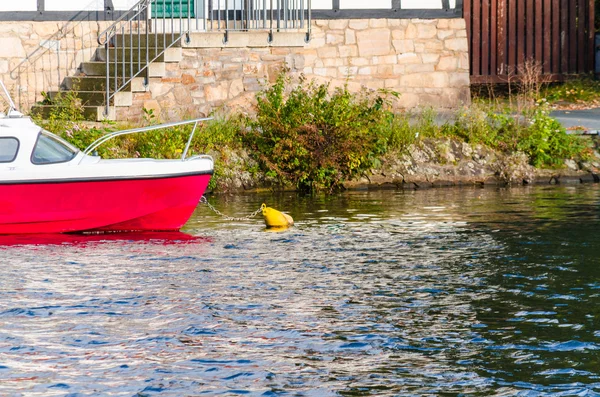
(589, 119)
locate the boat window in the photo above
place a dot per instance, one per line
(50, 149)
(9, 147)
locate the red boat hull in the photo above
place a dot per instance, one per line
(157, 204)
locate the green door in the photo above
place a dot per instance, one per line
(172, 8)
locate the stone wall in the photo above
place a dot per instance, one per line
(36, 56)
(427, 61)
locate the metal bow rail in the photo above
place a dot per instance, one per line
(94, 145)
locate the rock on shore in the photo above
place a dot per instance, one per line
(429, 163)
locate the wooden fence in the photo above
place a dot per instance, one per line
(505, 34)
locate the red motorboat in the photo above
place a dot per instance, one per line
(49, 186)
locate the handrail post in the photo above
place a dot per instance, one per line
(107, 97)
(189, 142)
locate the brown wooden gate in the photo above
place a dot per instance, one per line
(504, 34)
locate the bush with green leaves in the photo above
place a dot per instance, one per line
(315, 138)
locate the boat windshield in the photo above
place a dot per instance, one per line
(50, 149)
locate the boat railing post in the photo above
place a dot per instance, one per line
(189, 142)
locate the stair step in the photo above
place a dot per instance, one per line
(154, 40)
(90, 83)
(90, 113)
(99, 69)
(134, 54)
(88, 98)
(129, 53)
(95, 98)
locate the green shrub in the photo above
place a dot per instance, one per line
(545, 140)
(315, 138)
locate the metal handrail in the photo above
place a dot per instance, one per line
(136, 24)
(103, 139)
(117, 21)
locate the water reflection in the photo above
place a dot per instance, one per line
(458, 291)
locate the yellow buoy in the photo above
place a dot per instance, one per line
(274, 218)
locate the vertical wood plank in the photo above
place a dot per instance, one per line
(530, 29)
(519, 19)
(493, 37)
(547, 29)
(476, 23)
(581, 36)
(512, 36)
(485, 37)
(591, 37)
(572, 35)
(555, 67)
(467, 17)
(539, 31)
(564, 31)
(502, 61)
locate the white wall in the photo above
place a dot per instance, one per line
(362, 4)
(74, 5)
(21, 5)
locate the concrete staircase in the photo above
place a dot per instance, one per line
(89, 85)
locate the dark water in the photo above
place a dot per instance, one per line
(441, 292)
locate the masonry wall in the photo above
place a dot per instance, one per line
(426, 61)
(36, 56)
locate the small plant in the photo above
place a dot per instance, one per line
(313, 138)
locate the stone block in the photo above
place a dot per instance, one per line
(236, 88)
(419, 80)
(419, 68)
(350, 36)
(182, 95)
(359, 61)
(445, 34)
(367, 71)
(385, 71)
(458, 80)
(385, 60)
(443, 23)
(430, 58)
(398, 34)
(334, 38)
(348, 51)
(316, 42)
(123, 98)
(403, 46)
(333, 62)
(408, 58)
(391, 83)
(457, 24)
(338, 24)
(12, 48)
(3, 66)
(378, 23)
(347, 71)
(426, 31)
(173, 54)
(460, 44)
(434, 46)
(327, 52)
(158, 88)
(375, 84)
(448, 63)
(374, 42)
(411, 31)
(216, 92)
(187, 79)
(358, 24)
(288, 39)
